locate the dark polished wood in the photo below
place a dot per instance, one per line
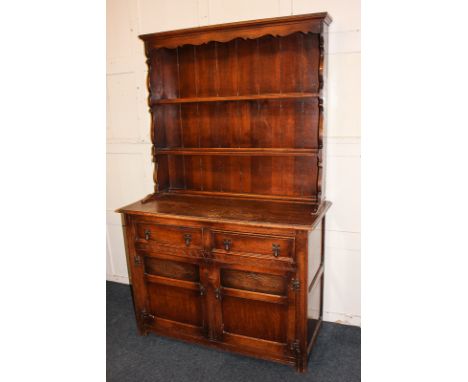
(251, 97)
(229, 249)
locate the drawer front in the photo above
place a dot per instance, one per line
(183, 237)
(253, 245)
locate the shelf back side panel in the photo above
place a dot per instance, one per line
(271, 87)
(279, 176)
(239, 67)
(238, 124)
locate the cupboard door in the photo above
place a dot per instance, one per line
(175, 296)
(257, 309)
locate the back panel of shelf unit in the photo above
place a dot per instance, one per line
(279, 176)
(239, 67)
(238, 124)
(267, 65)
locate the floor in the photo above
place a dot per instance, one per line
(132, 358)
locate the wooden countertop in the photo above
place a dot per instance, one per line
(230, 210)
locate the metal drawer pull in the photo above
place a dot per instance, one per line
(218, 293)
(202, 290)
(188, 239)
(227, 245)
(147, 234)
(276, 250)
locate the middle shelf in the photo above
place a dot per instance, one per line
(237, 151)
(247, 97)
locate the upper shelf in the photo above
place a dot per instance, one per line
(234, 98)
(278, 26)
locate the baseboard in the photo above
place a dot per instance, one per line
(118, 279)
(342, 318)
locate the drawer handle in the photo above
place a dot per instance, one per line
(218, 294)
(188, 239)
(276, 250)
(202, 290)
(227, 245)
(147, 234)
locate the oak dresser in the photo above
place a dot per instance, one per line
(228, 251)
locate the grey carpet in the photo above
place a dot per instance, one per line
(132, 358)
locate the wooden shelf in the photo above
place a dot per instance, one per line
(238, 151)
(235, 98)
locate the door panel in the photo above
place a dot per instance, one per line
(257, 319)
(173, 269)
(175, 295)
(253, 281)
(257, 308)
(176, 304)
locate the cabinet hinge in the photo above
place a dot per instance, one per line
(147, 317)
(295, 347)
(218, 295)
(295, 284)
(137, 260)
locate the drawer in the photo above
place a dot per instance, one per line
(175, 236)
(252, 244)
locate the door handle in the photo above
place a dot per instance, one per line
(227, 245)
(202, 290)
(188, 239)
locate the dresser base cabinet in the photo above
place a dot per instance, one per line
(228, 250)
(255, 289)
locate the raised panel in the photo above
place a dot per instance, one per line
(176, 304)
(254, 281)
(173, 269)
(256, 319)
